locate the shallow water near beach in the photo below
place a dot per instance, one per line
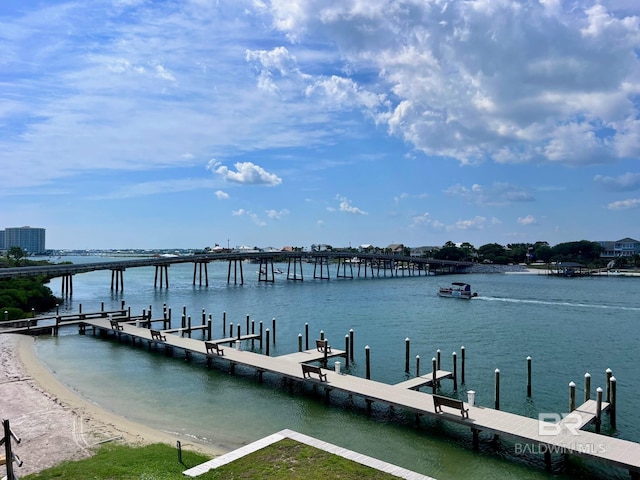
(568, 327)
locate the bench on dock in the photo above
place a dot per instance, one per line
(439, 401)
(307, 370)
(322, 344)
(115, 325)
(213, 348)
(157, 336)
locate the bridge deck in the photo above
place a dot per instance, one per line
(611, 450)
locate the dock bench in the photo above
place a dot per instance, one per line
(440, 401)
(115, 325)
(157, 336)
(307, 370)
(322, 344)
(213, 348)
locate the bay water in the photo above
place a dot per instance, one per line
(568, 327)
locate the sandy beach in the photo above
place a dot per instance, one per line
(53, 422)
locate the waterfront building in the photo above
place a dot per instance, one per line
(31, 240)
(627, 247)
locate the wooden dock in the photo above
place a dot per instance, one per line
(567, 437)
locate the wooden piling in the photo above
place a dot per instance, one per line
(351, 334)
(326, 353)
(267, 342)
(346, 350)
(417, 365)
(439, 358)
(587, 386)
(209, 323)
(261, 335)
(224, 323)
(572, 396)
(321, 334)
(612, 402)
(367, 359)
(306, 336)
(273, 324)
(406, 354)
(598, 421)
(455, 372)
(609, 375)
(462, 352)
(247, 330)
(434, 367)
(299, 342)
(528, 376)
(497, 389)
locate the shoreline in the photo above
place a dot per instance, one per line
(55, 423)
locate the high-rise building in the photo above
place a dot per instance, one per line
(31, 240)
(1, 239)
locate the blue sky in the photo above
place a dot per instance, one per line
(162, 124)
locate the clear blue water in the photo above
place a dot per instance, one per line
(567, 326)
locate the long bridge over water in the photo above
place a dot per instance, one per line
(345, 263)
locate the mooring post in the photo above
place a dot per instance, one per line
(351, 343)
(209, 323)
(609, 375)
(247, 323)
(434, 364)
(612, 403)
(598, 408)
(224, 323)
(183, 321)
(260, 334)
(572, 396)
(497, 392)
(417, 365)
(528, 376)
(204, 317)
(462, 364)
(321, 334)
(346, 350)
(587, 386)
(239, 335)
(299, 342)
(253, 332)
(189, 326)
(306, 336)
(439, 363)
(102, 306)
(326, 349)
(80, 308)
(367, 358)
(273, 324)
(179, 447)
(230, 330)
(406, 354)
(267, 342)
(455, 372)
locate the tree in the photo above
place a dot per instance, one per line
(493, 252)
(16, 253)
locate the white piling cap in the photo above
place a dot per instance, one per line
(417, 356)
(612, 379)
(406, 339)
(528, 358)
(599, 390)
(366, 347)
(587, 375)
(572, 384)
(497, 370)
(608, 370)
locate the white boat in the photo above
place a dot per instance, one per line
(457, 290)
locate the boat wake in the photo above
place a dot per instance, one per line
(563, 304)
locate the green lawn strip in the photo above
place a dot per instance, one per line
(286, 459)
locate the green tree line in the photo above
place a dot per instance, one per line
(21, 296)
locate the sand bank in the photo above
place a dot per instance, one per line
(54, 422)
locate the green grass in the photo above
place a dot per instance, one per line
(286, 459)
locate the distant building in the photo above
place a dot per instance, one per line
(395, 249)
(627, 247)
(2, 240)
(31, 240)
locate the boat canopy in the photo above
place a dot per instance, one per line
(466, 286)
